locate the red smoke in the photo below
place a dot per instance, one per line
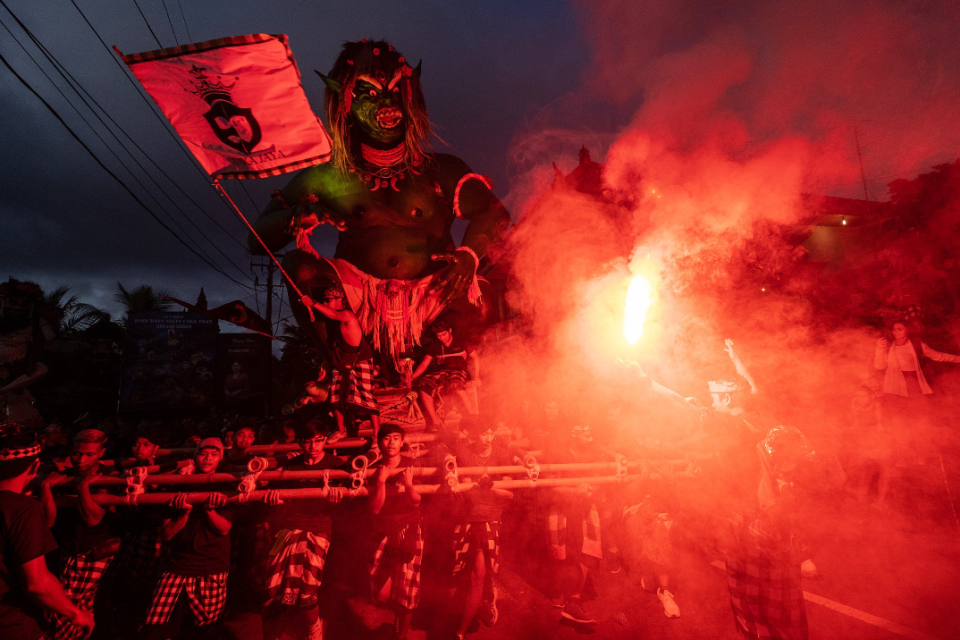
(740, 109)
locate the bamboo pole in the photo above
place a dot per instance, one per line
(199, 497)
(345, 443)
(335, 474)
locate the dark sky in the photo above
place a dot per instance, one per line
(490, 70)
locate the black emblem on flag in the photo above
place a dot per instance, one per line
(233, 125)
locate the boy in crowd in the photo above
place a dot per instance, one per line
(139, 554)
(573, 527)
(85, 533)
(194, 578)
(25, 581)
(448, 367)
(351, 382)
(144, 450)
(395, 569)
(243, 439)
(477, 537)
(299, 549)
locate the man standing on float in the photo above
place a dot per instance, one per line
(393, 202)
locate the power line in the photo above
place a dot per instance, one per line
(64, 73)
(167, 11)
(63, 70)
(150, 104)
(107, 169)
(249, 197)
(93, 130)
(184, 18)
(141, 150)
(137, 4)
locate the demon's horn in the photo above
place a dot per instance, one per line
(332, 84)
(416, 70)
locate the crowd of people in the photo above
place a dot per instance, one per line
(725, 479)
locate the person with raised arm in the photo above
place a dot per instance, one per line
(906, 390)
(351, 383)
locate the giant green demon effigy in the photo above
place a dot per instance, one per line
(393, 202)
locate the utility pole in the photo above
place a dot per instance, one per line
(863, 176)
(271, 268)
(261, 263)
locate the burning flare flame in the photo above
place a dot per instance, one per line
(639, 298)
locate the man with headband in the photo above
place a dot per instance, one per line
(26, 585)
(351, 382)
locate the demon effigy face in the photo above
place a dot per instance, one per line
(377, 107)
(373, 96)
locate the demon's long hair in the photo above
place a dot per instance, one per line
(374, 58)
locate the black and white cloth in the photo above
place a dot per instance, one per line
(295, 567)
(207, 596)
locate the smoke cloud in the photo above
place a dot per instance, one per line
(738, 109)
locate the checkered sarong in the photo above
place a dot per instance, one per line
(765, 594)
(80, 579)
(557, 533)
(482, 536)
(295, 567)
(442, 381)
(404, 576)
(207, 596)
(358, 393)
(647, 535)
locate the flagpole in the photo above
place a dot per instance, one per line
(293, 285)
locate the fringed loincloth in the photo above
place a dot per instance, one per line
(393, 312)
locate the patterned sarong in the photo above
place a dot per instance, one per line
(80, 579)
(207, 596)
(356, 392)
(295, 567)
(648, 535)
(482, 536)
(403, 573)
(765, 594)
(557, 533)
(445, 381)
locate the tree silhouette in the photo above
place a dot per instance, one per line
(70, 316)
(143, 299)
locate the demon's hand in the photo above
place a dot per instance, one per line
(458, 277)
(308, 217)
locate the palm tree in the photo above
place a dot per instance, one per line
(143, 299)
(70, 315)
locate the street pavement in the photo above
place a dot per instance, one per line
(885, 574)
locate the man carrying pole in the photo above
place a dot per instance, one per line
(395, 568)
(25, 581)
(194, 578)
